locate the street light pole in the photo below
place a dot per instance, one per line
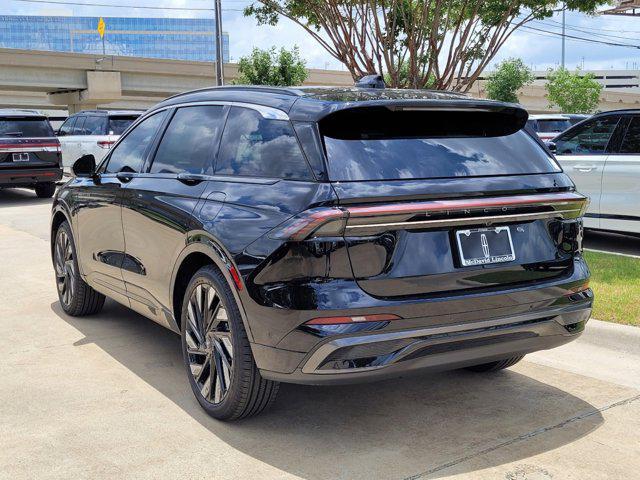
(564, 9)
(219, 58)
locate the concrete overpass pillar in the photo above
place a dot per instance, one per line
(102, 87)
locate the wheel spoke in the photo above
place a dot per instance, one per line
(193, 325)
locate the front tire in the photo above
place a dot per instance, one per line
(497, 365)
(222, 372)
(76, 297)
(45, 190)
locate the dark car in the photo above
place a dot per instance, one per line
(324, 236)
(29, 152)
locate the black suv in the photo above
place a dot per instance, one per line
(322, 235)
(29, 152)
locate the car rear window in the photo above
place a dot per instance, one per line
(117, 125)
(553, 126)
(25, 127)
(423, 145)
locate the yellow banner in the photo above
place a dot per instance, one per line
(101, 27)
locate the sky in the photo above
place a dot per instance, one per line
(539, 50)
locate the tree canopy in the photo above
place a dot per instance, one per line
(573, 92)
(509, 77)
(447, 42)
(271, 67)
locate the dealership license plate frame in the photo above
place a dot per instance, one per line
(468, 260)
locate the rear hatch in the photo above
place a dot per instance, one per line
(27, 142)
(439, 202)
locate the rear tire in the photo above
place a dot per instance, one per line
(495, 366)
(76, 297)
(45, 190)
(221, 369)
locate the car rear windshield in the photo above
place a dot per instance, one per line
(423, 145)
(25, 127)
(553, 126)
(117, 125)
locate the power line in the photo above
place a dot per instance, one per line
(582, 39)
(143, 7)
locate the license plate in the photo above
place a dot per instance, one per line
(482, 246)
(20, 157)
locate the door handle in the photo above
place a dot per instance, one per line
(191, 178)
(584, 168)
(124, 177)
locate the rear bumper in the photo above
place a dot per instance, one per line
(376, 356)
(24, 177)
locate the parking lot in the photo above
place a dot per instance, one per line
(106, 396)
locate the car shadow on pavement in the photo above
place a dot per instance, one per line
(12, 197)
(390, 429)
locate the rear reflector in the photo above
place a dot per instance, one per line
(106, 144)
(382, 317)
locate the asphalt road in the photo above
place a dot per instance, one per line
(107, 397)
(612, 242)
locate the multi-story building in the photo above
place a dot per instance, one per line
(174, 38)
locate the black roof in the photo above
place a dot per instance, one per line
(108, 112)
(314, 103)
(15, 112)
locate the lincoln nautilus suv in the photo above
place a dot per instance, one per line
(327, 235)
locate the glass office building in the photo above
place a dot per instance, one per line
(174, 38)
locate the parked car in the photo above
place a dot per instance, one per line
(602, 156)
(327, 235)
(92, 132)
(575, 118)
(57, 121)
(29, 152)
(548, 126)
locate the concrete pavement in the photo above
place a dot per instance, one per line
(107, 397)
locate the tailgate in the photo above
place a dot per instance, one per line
(29, 153)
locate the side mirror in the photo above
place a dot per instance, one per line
(552, 146)
(85, 166)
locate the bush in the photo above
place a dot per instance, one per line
(573, 92)
(271, 67)
(509, 77)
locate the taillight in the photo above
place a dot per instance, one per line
(323, 221)
(106, 144)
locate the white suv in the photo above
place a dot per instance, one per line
(602, 156)
(92, 132)
(548, 126)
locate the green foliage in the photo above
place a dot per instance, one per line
(509, 77)
(417, 43)
(282, 68)
(573, 92)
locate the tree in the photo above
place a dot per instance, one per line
(509, 77)
(270, 67)
(451, 41)
(573, 92)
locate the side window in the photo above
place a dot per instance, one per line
(128, 155)
(187, 143)
(591, 137)
(77, 128)
(631, 141)
(93, 126)
(67, 126)
(256, 146)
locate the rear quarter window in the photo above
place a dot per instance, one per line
(25, 127)
(255, 146)
(117, 125)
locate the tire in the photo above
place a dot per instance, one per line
(45, 190)
(497, 365)
(76, 297)
(214, 340)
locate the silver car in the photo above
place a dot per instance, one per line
(602, 156)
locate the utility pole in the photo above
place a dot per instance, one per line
(219, 58)
(564, 10)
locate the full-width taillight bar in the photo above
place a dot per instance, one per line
(332, 221)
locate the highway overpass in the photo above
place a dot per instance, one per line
(73, 82)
